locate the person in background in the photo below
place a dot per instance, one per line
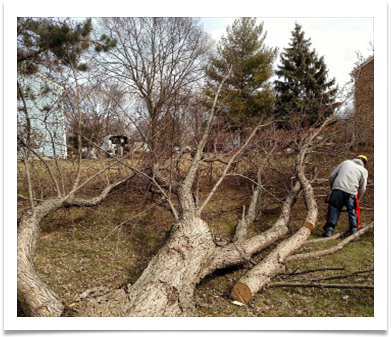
(348, 183)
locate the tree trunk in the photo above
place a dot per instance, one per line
(166, 287)
(35, 296)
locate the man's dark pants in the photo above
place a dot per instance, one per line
(338, 200)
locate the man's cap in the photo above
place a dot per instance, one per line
(365, 159)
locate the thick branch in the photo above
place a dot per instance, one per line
(254, 208)
(35, 296)
(241, 251)
(186, 203)
(261, 275)
(335, 236)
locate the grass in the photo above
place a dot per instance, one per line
(214, 292)
(82, 248)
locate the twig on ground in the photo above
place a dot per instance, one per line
(310, 271)
(331, 250)
(336, 277)
(321, 285)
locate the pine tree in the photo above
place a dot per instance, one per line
(53, 42)
(46, 45)
(303, 90)
(247, 92)
(50, 41)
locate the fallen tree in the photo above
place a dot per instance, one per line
(167, 285)
(34, 295)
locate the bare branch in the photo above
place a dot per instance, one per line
(46, 165)
(321, 285)
(335, 277)
(335, 249)
(225, 171)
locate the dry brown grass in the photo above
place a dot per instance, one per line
(88, 247)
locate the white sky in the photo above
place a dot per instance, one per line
(332, 35)
(337, 39)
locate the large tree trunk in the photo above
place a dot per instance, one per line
(34, 295)
(167, 285)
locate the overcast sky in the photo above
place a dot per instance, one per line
(337, 39)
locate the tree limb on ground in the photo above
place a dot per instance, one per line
(335, 277)
(321, 285)
(332, 250)
(335, 236)
(261, 275)
(36, 298)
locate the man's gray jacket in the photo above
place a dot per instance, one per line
(350, 176)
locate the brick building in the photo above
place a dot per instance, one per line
(364, 103)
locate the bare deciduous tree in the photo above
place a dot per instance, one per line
(159, 58)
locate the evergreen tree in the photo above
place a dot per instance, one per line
(48, 44)
(303, 88)
(247, 92)
(53, 42)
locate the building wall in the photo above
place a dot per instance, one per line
(44, 108)
(364, 104)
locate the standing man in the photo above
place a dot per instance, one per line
(348, 183)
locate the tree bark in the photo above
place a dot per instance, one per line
(241, 251)
(36, 298)
(167, 285)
